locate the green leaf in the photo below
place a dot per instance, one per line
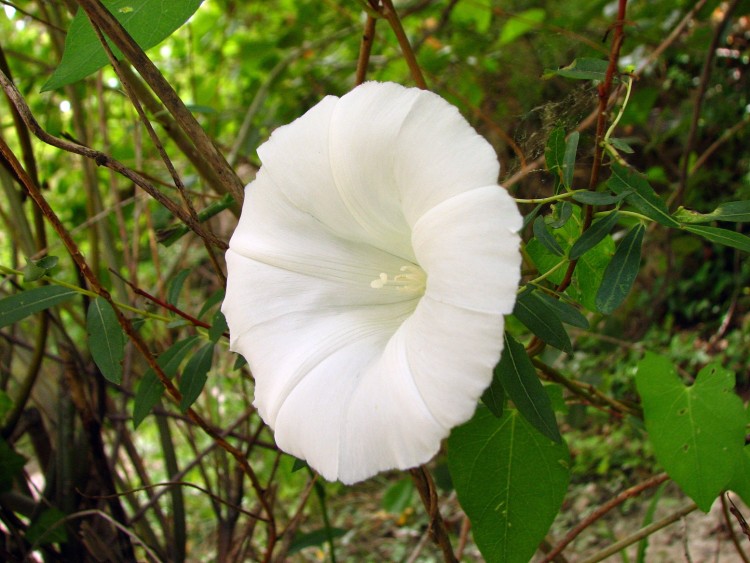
(698, 432)
(175, 286)
(147, 21)
(731, 211)
(621, 271)
(564, 311)
(554, 152)
(600, 198)
(740, 483)
(169, 235)
(721, 236)
(20, 305)
(218, 327)
(194, 375)
(520, 24)
(35, 269)
(106, 341)
(593, 235)
(521, 383)
(216, 297)
(475, 15)
(43, 529)
(398, 496)
(150, 389)
(11, 465)
(581, 69)
(545, 237)
(510, 481)
(494, 396)
(643, 196)
(563, 211)
(542, 320)
(569, 162)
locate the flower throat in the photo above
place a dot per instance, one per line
(412, 280)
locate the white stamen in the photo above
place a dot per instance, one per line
(413, 280)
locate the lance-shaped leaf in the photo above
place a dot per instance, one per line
(194, 375)
(147, 21)
(565, 311)
(643, 196)
(599, 198)
(106, 341)
(521, 383)
(569, 162)
(698, 432)
(581, 69)
(554, 152)
(621, 271)
(721, 236)
(510, 481)
(150, 388)
(593, 235)
(541, 232)
(20, 305)
(541, 319)
(730, 211)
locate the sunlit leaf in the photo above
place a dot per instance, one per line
(147, 21)
(698, 432)
(554, 152)
(520, 24)
(593, 235)
(20, 305)
(510, 481)
(621, 271)
(106, 340)
(545, 237)
(521, 383)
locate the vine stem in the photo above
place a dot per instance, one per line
(642, 533)
(426, 487)
(365, 48)
(139, 343)
(602, 510)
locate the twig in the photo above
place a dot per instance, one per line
(365, 48)
(438, 531)
(390, 14)
(726, 509)
(679, 193)
(640, 534)
(602, 510)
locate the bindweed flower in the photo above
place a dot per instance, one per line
(368, 278)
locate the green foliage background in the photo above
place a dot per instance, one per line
(596, 355)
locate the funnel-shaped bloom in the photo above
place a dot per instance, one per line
(368, 278)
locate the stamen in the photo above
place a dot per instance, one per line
(412, 280)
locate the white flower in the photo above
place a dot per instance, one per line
(368, 278)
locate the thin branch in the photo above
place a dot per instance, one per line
(365, 48)
(112, 28)
(426, 487)
(602, 510)
(389, 13)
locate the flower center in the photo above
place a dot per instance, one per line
(412, 279)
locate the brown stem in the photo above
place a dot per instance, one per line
(726, 510)
(390, 14)
(426, 487)
(365, 48)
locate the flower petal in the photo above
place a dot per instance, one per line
(468, 247)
